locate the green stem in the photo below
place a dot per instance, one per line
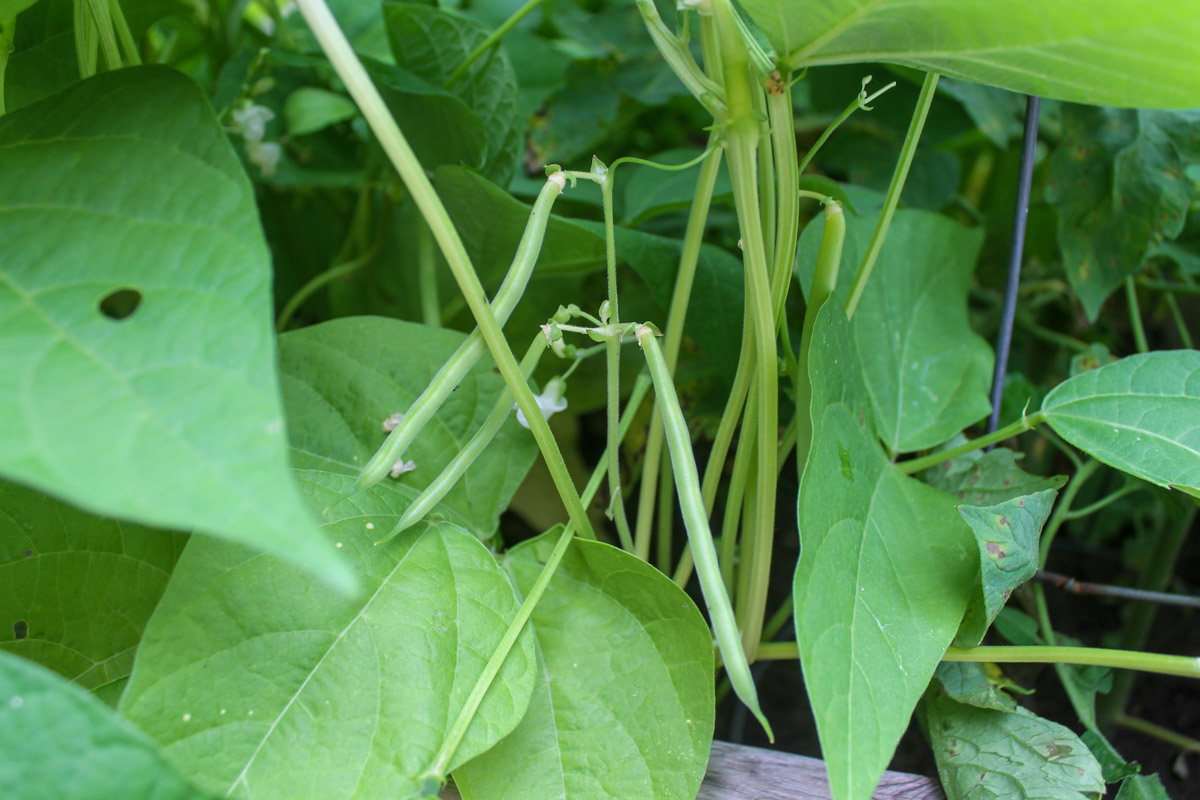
(492, 38)
(1184, 334)
(665, 527)
(1130, 487)
(317, 282)
(1148, 728)
(87, 48)
(825, 278)
(859, 102)
(471, 350)
(128, 44)
(8, 31)
(687, 484)
(441, 762)
(1136, 625)
(676, 316)
(1167, 286)
(739, 478)
(464, 458)
(351, 71)
(1025, 423)
(742, 132)
(892, 200)
(431, 309)
(1063, 508)
(104, 27)
(1135, 316)
(1185, 666)
(679, 58)
(781, 119)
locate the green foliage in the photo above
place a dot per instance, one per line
(59, 741)
(869, 644)
(927, 373)
(192, 338)
(607, 619)
(1117, 180)
(992, 753)
(1040, 48)
(117, 573)
(1153, 398)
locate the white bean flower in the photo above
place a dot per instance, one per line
(550, 401)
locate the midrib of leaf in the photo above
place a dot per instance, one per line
(316, 667)
(1150, 434)
(123, 381)
(833, 32)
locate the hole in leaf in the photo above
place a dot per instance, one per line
(121, 303)
(20, 629)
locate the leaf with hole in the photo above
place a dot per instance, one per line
(885, 573)
(117, 573)
(1140, 414)
(1086, 52)
(158, 360)
(58, 741)
(623, 704)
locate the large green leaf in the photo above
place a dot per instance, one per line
(623, 705)
(886, 569)
(1007, 535)
(1117, 181)
(1140, 414)
(431, 42)
(342, 378)
(115, 573)
(987, 754)
(256, 683)
(927, 372)
(56, 741)
(123, 188)
(43, 58)
(1107, 52)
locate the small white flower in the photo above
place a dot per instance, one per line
(264, 155)
(251, 120)
(391, 422)
(701, 6)
(550, 401)
(401, 467)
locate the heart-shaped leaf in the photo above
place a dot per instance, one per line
(623, 705)
(137, 361)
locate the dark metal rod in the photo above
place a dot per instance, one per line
(1068, 584)
(1016, 252)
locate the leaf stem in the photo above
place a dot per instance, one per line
(1148, 728)
(1025, 423)
(128, 44)
(1135, 316)
(492, 38)
(1185, 666)
(431, 309)
(859, 102)
(685, 278)
(907, 151)
(354, 76)
(687, 484)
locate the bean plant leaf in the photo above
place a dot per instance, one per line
(985, 753)
(870, 632)
(116, 573)
(1140, 414)
(927, 372)
(1117, 181)
(431, 43)
(987, 478)
(623, 705)
(310, 109)
(978, 685)
(1007, 534)
(58, 741)
(1142, 787)
(256, 683)
(145, 389)
(1093, 52)
(342, 378)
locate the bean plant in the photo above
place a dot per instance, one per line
(289, 295)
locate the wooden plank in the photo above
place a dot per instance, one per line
(737, 772)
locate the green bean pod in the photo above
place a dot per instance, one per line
(687, 484)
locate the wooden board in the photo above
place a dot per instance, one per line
(737, 772)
